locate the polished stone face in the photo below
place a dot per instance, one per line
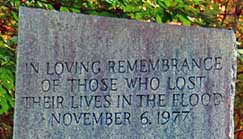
(90, 77)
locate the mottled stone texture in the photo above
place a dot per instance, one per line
(74, 70)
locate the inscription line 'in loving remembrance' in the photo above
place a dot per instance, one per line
(130, 66)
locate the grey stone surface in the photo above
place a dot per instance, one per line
(74, 73)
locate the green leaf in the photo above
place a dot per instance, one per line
(184, 20)
(15, 16)
(14, 39)
(6, 78)
(101, 13)
(240, 51)
(167, 3)
(158, 19)
(240, 54)
(64, 9)
(4, 107)
(75, 10)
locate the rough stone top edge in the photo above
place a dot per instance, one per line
(205, 29)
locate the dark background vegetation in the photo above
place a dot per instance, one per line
(225, 14)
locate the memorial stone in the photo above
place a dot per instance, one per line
(91, 77)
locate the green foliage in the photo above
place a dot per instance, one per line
(7, 71)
